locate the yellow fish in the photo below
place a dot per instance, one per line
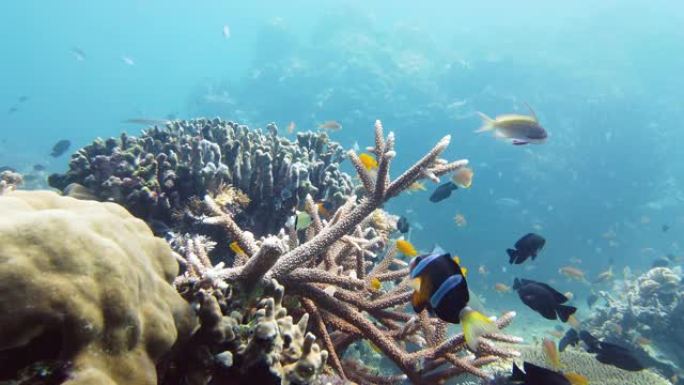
(375, 284)
(519, 129)
(502, 288)
(369, 162)
(416, 186)
(236, 248)
(406, 248)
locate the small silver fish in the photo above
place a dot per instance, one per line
(519, 129)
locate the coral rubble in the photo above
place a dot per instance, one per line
(85, 285)
(260, 177)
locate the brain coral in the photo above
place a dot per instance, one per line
(86, 283)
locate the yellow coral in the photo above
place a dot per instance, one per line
(95, 276)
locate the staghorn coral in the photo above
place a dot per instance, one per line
(86, 287)
(159, 175)
(241, 340)
(326, 269)
(652, 308)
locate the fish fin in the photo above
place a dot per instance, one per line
(564, 312)
(475, 325)
(534, 114)
(593, 344)
(516, 284)
(576, 378)
(517, 142)
(488, 123)
(437, 249)
(517, 375)
(421, 297)
(512, 255)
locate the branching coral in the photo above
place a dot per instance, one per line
(259, 177)
(326, 272)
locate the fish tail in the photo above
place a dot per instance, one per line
(475, 325)
(517, 375)
(564, 312)
(512, 255)
(576, 378)
(516, 284)
(487, 123)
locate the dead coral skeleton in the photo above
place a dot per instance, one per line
(329, 267)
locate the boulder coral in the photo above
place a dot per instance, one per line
(86, 284)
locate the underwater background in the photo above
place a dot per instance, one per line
(604, 78)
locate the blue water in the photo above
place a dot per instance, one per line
(605, 79)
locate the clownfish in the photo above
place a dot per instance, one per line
(440, 286)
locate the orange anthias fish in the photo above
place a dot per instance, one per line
(291, 127)
(368, 161)
(556, 333)
(416, 186)
(502, 288)
(572, 272)
(463, 177)
(551, 353)
(605, 276)
(574, 322)
(406, 248)
(330, 125)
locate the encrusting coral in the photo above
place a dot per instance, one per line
(162, 175)
(326, 271)
(87, 286)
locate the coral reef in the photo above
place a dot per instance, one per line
(259, 177)
(578, 361)
(86, 287)
(10, 180)
(326, 272)
(650, 308)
